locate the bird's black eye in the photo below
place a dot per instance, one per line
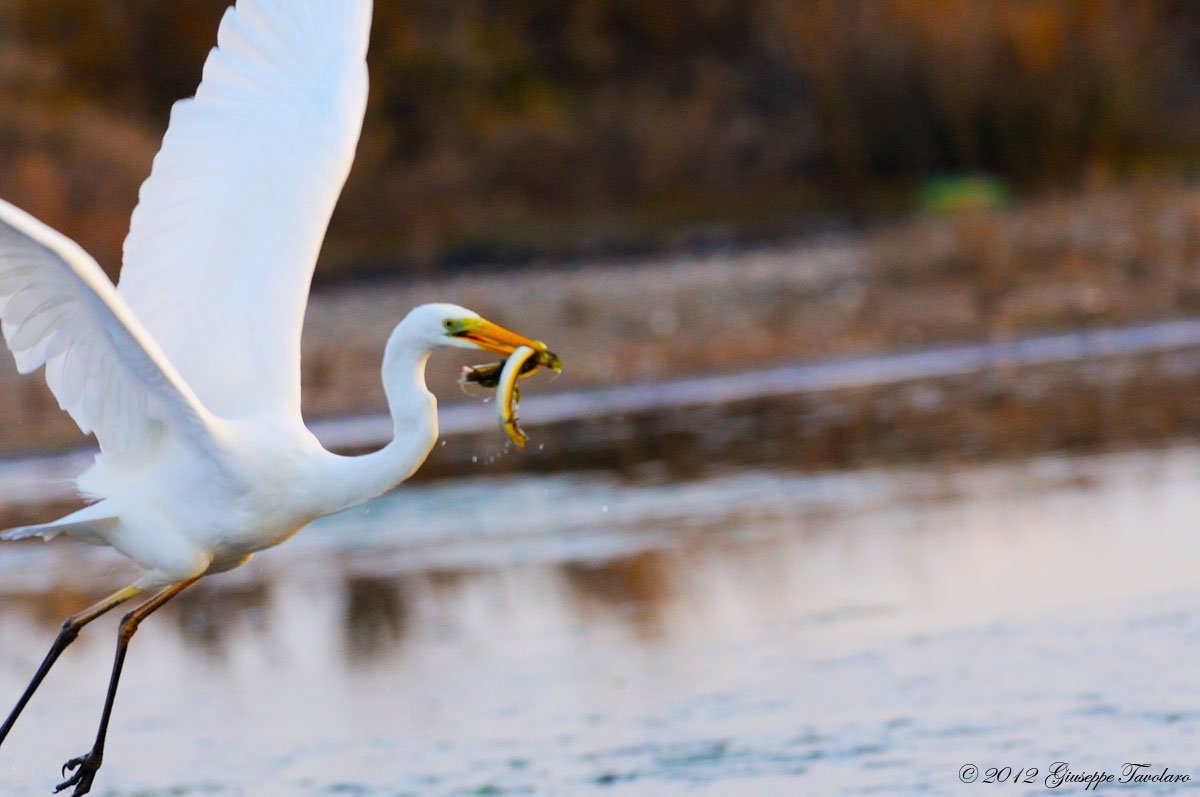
(448, 324)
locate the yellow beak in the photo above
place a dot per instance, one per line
(498, 340)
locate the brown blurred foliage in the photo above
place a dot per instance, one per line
(1013, 87)
(503, 129)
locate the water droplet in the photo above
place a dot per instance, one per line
(443, 442)
(474, 458)
(541, 446)
(487, 400)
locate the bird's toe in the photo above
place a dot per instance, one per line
(85, 768)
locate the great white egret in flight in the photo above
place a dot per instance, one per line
(188, 371)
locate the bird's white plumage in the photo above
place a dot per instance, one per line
(223, 242)
(58, 309)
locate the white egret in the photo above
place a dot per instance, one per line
(188, 372)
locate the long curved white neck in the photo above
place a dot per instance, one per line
(414, 419)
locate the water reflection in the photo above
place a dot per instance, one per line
(567, 634)
(377, 615)
(207, 617)
(635, 589)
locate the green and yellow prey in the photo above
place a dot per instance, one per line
(503, 376)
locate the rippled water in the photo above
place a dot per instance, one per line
(755, 634)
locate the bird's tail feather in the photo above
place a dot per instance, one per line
(47, 531)
(90, 530)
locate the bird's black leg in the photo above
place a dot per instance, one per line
(66, 635)
(86, 766)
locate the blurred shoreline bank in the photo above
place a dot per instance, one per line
(1108, 259)
(1114, 388)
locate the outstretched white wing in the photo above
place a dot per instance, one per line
(224, 240)
(58, 309)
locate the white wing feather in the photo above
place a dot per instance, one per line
(58, 309)
(223, 243)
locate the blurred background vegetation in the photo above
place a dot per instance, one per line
(514, 130)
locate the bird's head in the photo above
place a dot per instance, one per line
(441, 325)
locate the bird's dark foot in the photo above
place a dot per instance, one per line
(85, 768)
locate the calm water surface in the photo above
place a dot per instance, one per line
(758, 633)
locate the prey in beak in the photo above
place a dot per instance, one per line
(523, 356)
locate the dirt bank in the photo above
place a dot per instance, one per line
(1107, 258)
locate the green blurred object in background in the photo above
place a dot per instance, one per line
(954, 193)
